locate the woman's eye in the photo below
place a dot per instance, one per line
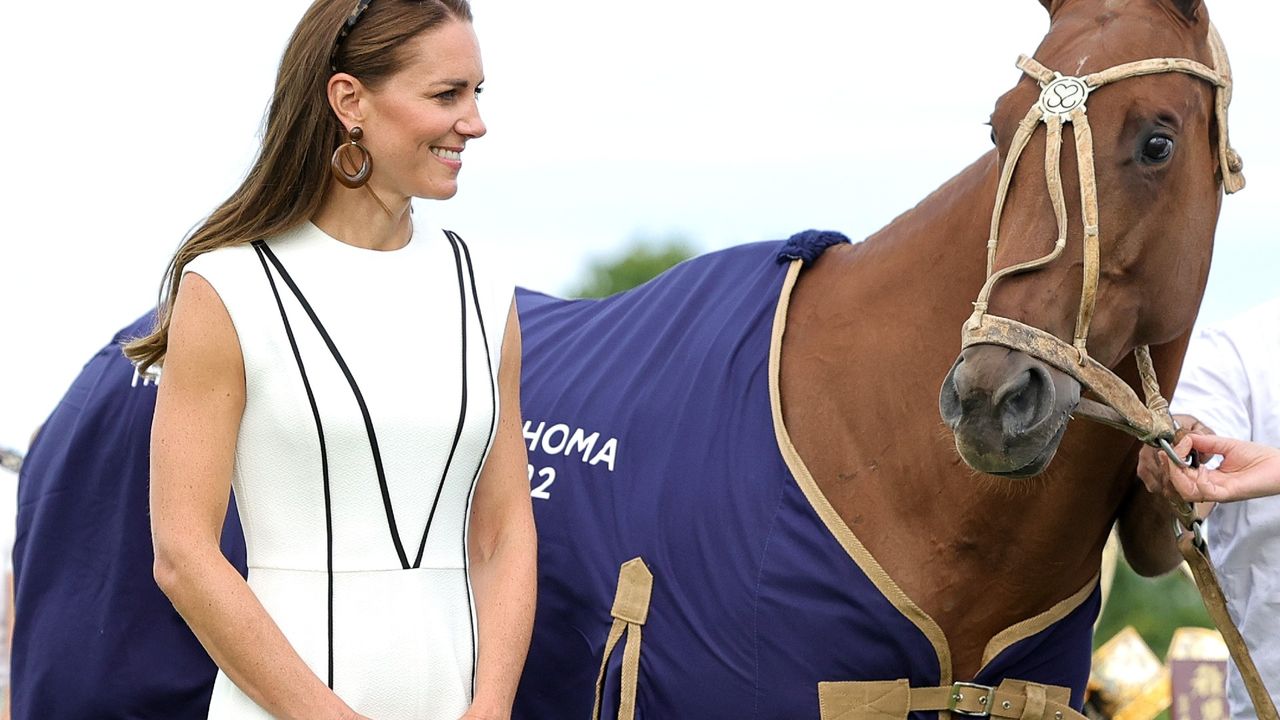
(448, 95)
(1157, 149)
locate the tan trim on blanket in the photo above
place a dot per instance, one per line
(1031, 626)
(835, 524)
(873, 700)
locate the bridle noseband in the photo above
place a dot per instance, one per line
(1062, 100)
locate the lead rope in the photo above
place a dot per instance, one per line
(1151, 421)
(1195, 551)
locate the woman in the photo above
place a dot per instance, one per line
(347, 371)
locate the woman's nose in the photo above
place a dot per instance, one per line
(472, 126)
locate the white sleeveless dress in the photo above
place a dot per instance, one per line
(371, 400)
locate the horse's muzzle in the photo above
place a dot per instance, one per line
(1007, 410)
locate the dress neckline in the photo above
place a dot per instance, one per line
(313, 232)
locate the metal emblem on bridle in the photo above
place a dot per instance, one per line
(1062, 96)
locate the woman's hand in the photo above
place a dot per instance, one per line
(1154, 467)
(1248, 470)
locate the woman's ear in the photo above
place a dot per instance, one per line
(346, 94)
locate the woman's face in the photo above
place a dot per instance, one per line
(419, 121)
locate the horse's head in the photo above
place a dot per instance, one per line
(1102, 228)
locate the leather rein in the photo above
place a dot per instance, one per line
(1062, 101)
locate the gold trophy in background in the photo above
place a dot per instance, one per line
(1128, 681)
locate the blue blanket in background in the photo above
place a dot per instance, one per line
(95, 637)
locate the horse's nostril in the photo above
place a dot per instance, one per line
(1025, 401)
(949, 398)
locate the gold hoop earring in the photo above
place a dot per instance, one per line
(361, 176)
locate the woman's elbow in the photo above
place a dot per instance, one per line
(165, 571)
(171, 567)
(514, 532)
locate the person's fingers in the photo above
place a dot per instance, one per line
(1211, 444)
(1186, 450)
(1154, 470)
(1191, 423)
(1186, 485)
(1149, 469)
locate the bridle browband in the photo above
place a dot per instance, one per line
(1062, 100)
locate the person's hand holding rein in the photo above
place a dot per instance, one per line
(1248, 470)
(1155, 469)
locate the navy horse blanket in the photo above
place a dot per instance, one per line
(655, 431)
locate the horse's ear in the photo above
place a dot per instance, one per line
(1051, 5)
(1190, 9)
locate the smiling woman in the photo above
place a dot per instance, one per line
(354, 375)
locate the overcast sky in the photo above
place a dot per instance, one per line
(724, 122)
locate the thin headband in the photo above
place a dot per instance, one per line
(345, 30)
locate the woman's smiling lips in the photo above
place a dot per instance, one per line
(451, 157)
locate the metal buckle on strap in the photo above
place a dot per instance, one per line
(981, 698)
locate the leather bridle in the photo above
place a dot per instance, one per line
(1062, 100)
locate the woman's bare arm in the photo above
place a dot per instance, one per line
(193, 441)
(503, 549)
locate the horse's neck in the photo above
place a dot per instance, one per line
(881, 319)
(872, 331)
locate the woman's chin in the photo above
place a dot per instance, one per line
(437, 190)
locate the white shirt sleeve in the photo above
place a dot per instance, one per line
(1214, 386)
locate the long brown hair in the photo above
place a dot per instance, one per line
(290, 176)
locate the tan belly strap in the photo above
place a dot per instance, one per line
(894, 699)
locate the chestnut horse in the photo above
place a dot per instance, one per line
(976, 561)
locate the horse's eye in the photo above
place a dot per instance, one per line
(1157, 149)
(994, 141)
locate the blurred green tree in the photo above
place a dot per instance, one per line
(643, 259)
(1155, 607)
